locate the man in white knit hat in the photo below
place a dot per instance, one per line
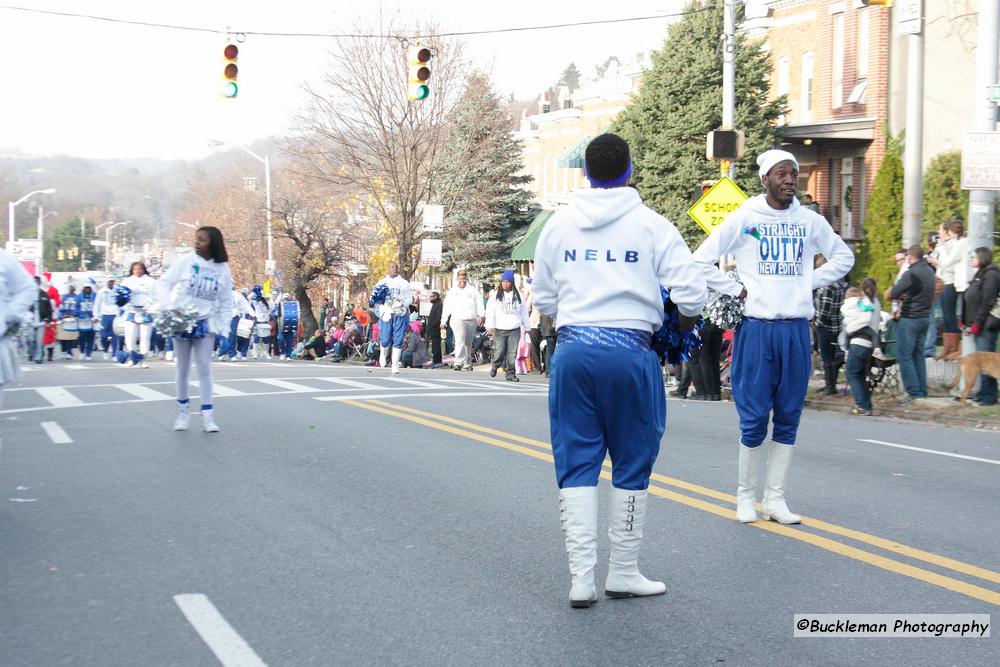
(774, 240)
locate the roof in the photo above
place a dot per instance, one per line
(525, 250)
(574, 157)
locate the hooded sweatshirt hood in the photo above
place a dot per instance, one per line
(590, 209)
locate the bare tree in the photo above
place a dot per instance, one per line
(359, 129)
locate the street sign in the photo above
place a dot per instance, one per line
(430, 252)
(981, 161)
(910, 17)
(269, 266)
(25, 249)
(432, 219)
(715, 205)
(99, 244)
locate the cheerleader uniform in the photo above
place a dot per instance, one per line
(208, 286)
(599, 265)
(137, 320)
(772, 362)
(392, 324)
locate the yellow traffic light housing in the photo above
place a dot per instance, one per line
(419, 72)
(230, 71)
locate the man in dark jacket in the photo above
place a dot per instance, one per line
(433, 329)
(915, 289)
(43, 313)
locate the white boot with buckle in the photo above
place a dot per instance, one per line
(774, 508)
(397, 354)
(627, 516)
(746, 489)
(578, 516)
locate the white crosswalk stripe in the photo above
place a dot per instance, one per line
(285, 384)
(143, 392)
(58, 397)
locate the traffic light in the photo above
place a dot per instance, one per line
(725, 145)
(61, 254)
(418, 58)
(877, 3)
(230, 54)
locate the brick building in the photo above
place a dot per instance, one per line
(831, 59)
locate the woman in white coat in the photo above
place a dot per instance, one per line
(200, 279)
(137, 320)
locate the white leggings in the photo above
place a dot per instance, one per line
(145, 331)
(203, 360)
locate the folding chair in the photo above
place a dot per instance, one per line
(883, 374)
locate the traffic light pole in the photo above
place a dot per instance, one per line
(267, 202)
(913, 168)
(728, 76)
(982, 203)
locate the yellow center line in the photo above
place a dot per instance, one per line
(866, 538)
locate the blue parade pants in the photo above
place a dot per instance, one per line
(227, 346)
(392, 331)
(286, 341)
(87, 343)
(770, 372)
(109, 341)
(910, 335)
(602, 401)
(857, 375)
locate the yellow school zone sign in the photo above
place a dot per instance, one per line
(715, 205)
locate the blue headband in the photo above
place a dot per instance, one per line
(616, 183)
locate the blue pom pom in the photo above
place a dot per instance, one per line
(379, 295)
(669, 342)
(121, 356)
(122, 295)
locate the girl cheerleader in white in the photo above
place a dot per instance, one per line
(200, 279)
(138, 322)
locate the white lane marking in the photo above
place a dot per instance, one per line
(58, 397)
(930, 451)
(351, 383)
(143, 392)
(361, 397)
(418, 383)
(56, 433)
(75, 367)
(500, 384)
(227, 644)
(223, 390)
(285, 384)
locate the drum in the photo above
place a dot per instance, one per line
(263, 329)
(118, 326)
(68, 324)
(244, 328)
(62, 333)
(85, 324)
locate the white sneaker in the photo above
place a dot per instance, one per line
(208, 422)
(130, 364)
(183, 417)
(169, 356)
(143, 364)
(106, 356)
(243, 358)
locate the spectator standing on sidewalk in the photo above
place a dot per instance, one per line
(506, 320)
(950, 261)
(915, 289)
(434, 329)
(463, 306)
(827, 302)
(982, 307)
(547, 327)
(705, 370)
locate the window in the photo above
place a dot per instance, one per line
(805, 108)
(838, 61)
(783, 85)
(863, 31)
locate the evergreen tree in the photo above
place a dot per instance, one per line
(479, 182)
(883, 221)
(944, 198)
(570, 78)
(681, 101)
(67, 249)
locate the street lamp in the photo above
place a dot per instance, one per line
(12, 204)
(41, 238)
(107, 244)
(215, 143)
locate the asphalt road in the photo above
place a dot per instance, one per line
(344, 517)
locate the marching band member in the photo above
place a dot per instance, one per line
(599, 265)
(107, 309)
(137, 321)
(200, 279)
(393, 316)
(85, 319)
(774, 240)
(262, 324)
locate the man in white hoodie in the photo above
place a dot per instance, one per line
(393, 316)
(464, 305)
(599, 265)
(774, 240)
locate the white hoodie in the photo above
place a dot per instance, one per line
(143, 288)
(601, 261)
(776, 269)
(462, 303)
(205, 284)
(506, 314)
(17, 292)
(104, 303)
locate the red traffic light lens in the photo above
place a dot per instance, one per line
(230, 52)
(231, 71)
(423, 55)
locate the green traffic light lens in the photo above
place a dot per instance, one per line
(423, 92)
(230, 89)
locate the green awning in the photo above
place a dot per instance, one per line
(525, 250)
(574, 156)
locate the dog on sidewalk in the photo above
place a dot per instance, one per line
(972, 365)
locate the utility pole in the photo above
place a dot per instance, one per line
(982, 203)
(727, 167)
(913, 168)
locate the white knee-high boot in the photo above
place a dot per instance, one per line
(578, 516)
(397, 354)
(627, 516)
(779, 459)
(383, 357)
(746, 490)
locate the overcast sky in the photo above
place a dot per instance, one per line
(98, 89)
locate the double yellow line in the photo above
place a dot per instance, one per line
(541, 450)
